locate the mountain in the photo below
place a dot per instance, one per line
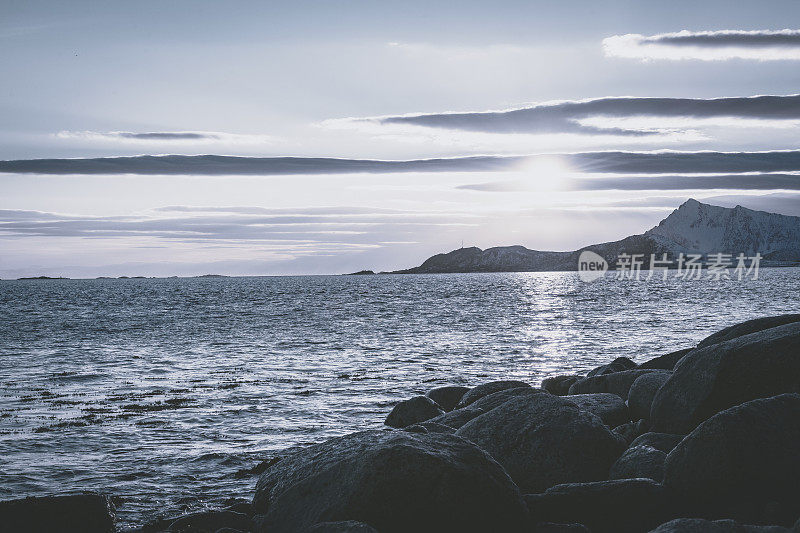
(694, 228)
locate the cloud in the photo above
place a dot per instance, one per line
(664, 183)
(344, 227)
(621, 162)
(172, 137)
(761, 45)
(591, 116)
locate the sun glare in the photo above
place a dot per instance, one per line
(545, 174)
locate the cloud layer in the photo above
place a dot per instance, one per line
(762, 45)
(574, 116)
(171, 137)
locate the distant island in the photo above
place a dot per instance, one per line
(42, 277)
(361, 273)
(693, 228)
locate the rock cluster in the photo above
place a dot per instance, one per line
(698, 440)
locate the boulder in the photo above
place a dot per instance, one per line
(78, 513)
(559, 385)
(699, 525)
(211, 521)
(412, 411)
(394, 481)
(666, 361)
(486, 389)
(620, 364)
(609, 407)
(741, 460)
(447, 397)
(708, 380)
(748, 327)
(430, 427)
(630, 430)
(660, 441)
(458, 417)
(552, 527)
(543, 440)
(620, 506)
(639, 462)
(618, 383)
(642, 392)
(348, 526)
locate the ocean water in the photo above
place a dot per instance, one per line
(162, 391)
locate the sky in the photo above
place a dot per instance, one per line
(330, 137)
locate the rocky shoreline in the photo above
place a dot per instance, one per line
(705, 439)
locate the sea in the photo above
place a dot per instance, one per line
(167, 392)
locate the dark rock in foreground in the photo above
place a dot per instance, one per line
(486, 389)
(458, 417)
(552, 527)
(348, 526)
(666, 361)
(748, 327)
(620, 364)
(559, 385)
(623, 506)
(722, 375)
(618, 383)
(412, 411)
(665, 442)
(543, 440)
(447, 397)
(698, 525)
(609, 407)
(642, 392)
(79, 513)
(639, 462)
(392, 480)
(628, 432)
(742, 460)
(211, 522)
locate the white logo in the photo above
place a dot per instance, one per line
(591, 266)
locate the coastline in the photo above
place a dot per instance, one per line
(624, 447)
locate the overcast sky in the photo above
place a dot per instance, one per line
(526, 107)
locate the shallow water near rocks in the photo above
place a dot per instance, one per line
(163, 391)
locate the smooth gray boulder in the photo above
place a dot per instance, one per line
(609, 407)
(619, 506)
(742, 459)
(665, 442)
(642, 392)
(347, 526)
(486, 389)
(666, 361)
(75, 513)
(699, 525)
(458, 417)
(639, 462)
(725, 374)
(620, 364)
(748, 327)
(447, 397)
(543, 440)
(618, 383)
(559, 385)
(412, 411)
(394, 481)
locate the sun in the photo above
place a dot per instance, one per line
(545, 173)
